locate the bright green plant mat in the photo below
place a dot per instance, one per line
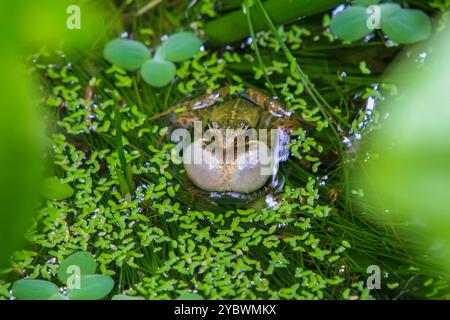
(160, 242)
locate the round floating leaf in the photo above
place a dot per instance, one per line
(125, 297)
(179, 47)
(365, 2)
(388, 9)
(84, 260)
(406, 26)
(54, 189)
(34, 290)
(92, 287)
(351, 24)
(58, 296)
(127, 54)
(158, 73)
(190, 296)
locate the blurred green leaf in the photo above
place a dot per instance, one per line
(21, 138)
(54, 189)
(84, 260)
(190, 296)
(409, 176)
(179, 47)
(158, 73)
(351, 24)
(127, 54)
(58, 296)
(365, 2)
(34, 290)
(389, 8)
(53, 29)
(125, 297)
(406, 26)
(92, 287)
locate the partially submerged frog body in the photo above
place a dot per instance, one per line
(229, 119)
(251, 107)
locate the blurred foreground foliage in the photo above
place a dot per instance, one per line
(409, 174)
(163, 240)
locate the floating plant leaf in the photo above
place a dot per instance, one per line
(158, 73)
(351, 24)
(190, 296)
(365, 2)
(54, 189)
(84, 260)
(35, 290)
(127, 54)
(388, 9)
(58, 296)
(179, 47)
(125, 297)
(406, 26)
(92, 287)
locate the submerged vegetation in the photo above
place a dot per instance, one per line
(114, 191)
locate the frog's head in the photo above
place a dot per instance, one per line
(235, 113)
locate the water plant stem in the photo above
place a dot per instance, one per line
(233, 26)
(309, 87)
(120, 152)
(150, 5)
(255, 46)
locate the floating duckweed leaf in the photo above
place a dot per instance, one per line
(34, 290)
(84, 260)
(393, 285)
(179, 47)
(158, 73)
(364, 68)
(190, 296)
(351, 24)
(54, 189)
(407, 26)
(125, 297)
(92, 287)
(127, 54)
